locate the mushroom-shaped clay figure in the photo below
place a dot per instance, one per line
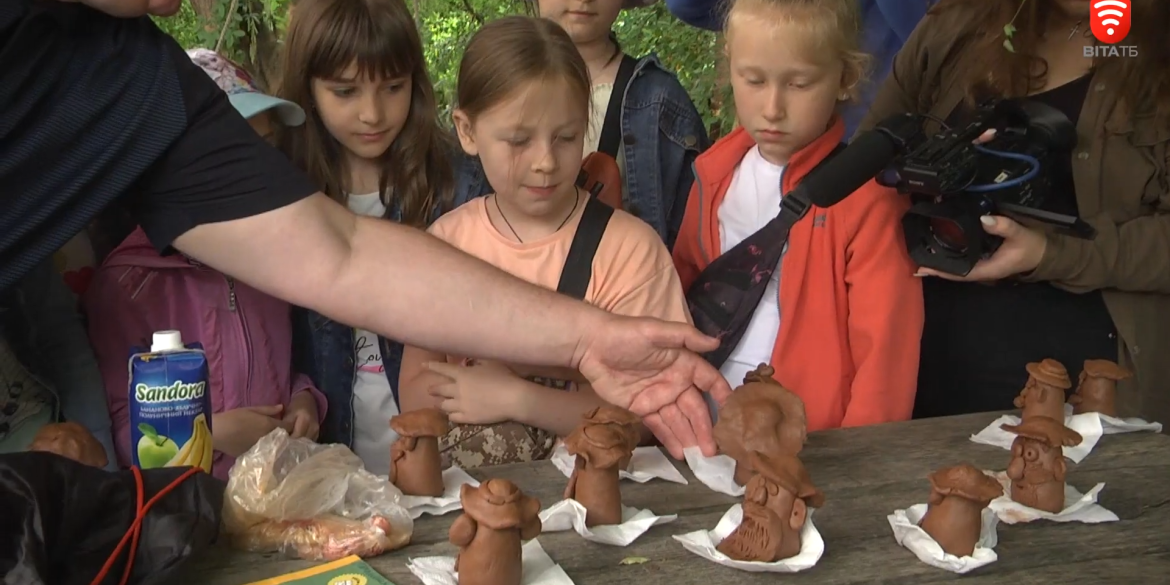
(954, 515)
(415, 465)
(496, 518)
(69, 439)
(1043, 395)
(600, 450)
(622, 419)
(1097, 387)
(1037, 469)
(761, 415)
(775, 507)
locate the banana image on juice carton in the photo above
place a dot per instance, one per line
(170, 405)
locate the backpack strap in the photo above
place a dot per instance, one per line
(578, 269)
(611, 129)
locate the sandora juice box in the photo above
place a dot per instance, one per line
(170, 405)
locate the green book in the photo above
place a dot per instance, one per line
(351, 570)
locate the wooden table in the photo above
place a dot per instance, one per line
(866, 474)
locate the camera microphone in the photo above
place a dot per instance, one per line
(863, 159)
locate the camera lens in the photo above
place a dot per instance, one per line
(948, 234)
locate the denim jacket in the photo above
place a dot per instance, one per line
(323, 349)
(40, 320)
(662, 133)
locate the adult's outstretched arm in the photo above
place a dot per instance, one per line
(396, 280)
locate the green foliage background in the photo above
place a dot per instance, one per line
(446, 25)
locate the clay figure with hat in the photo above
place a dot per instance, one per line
(1044, 393)
(775, 508)
(1097, 387)
(602, 443)
(954, 514)
(1037, 467)
(763, 416)
(497, 517)
(416, 467)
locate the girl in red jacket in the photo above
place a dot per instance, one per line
(841, 317)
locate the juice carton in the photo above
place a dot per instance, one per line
(170, 407)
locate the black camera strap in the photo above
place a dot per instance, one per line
(724, 297)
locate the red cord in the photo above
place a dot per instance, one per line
(135, 529)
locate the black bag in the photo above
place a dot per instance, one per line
(724, 297)
(60, 520)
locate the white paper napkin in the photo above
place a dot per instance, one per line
(538, 569)
(1089, 427)
(646, 464)
(1078, 507)
(703, 543)
(1111, 425)
(570, 515)
(717, 473)
(453, 480)
(910, 535)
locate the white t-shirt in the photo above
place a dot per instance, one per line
(752, 200)
(373, 398)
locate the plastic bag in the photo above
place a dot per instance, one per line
(311, 501)
(60, 520)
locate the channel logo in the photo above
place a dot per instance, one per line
(1110, 20)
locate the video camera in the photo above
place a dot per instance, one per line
(953, 181)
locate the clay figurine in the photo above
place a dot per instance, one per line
(1037, 468)
(600, 449)
(1097, 387)
(415, 465)
(761, 415)
(69, 439)
(496, 518)
(1043, 395)
(775, 507)
(954, 515)
(628, 422)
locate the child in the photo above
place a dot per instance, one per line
(650, 125)
(523, 95)
(47, 368)
(840, 317)
(247, 334)
(372, 141)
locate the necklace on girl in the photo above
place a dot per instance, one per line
(576, 201)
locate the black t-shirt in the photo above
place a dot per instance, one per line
(95, 109)
(978, 337)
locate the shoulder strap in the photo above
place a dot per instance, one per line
(611, 129)
(578, 269)
(794, 205)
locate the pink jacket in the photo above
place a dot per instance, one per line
(247, 334)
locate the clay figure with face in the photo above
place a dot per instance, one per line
(775, 508)
(1044, 393)
(1097, 387)
(1037, 467)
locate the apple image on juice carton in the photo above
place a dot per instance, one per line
(170, 407)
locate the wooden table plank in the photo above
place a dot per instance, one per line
(866, 474)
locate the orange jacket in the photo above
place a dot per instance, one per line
(850, 306)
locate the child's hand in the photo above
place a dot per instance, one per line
(482, 393)
(302, 415)
(237, 430)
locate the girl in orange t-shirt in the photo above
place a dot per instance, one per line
(523, 97)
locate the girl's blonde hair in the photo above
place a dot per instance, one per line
(834, 24)
(324, 38)
(508, 52)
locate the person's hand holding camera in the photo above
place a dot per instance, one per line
(1021, 251)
